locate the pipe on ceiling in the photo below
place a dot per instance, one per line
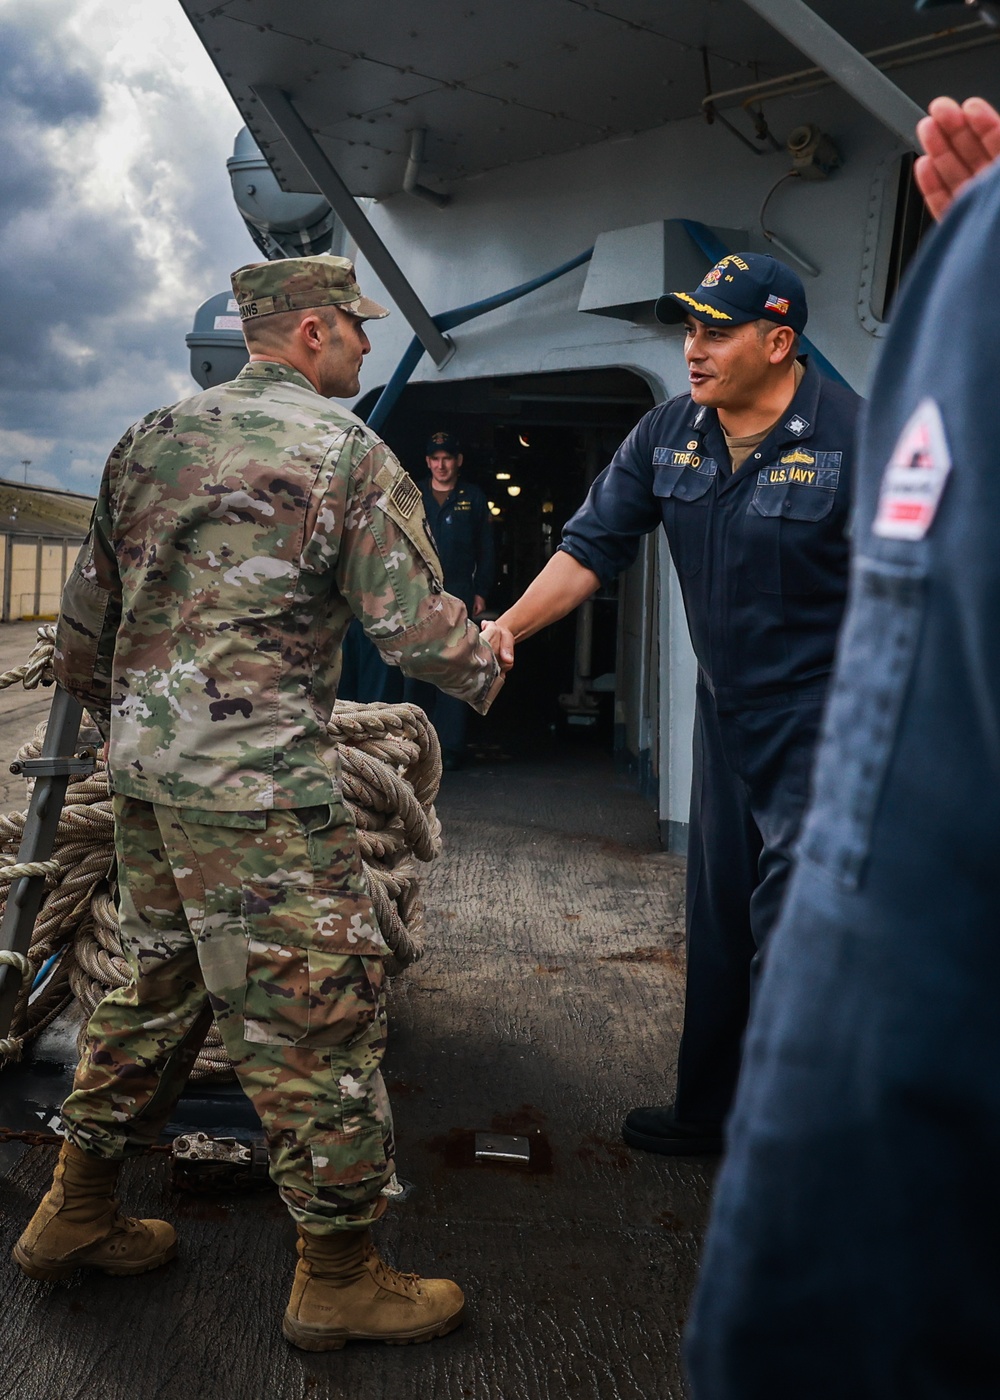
(830, 51)
(806, 79)
(411, 177)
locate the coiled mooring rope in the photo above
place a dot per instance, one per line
(391, 764)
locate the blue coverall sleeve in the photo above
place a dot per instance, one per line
(620, 508)
(485, 551)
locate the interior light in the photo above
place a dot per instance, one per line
(547, 507)
(503, 476)
(523, 440)
(513, 490)
(494, 510)
(492, 505)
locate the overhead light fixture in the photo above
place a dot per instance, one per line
(548, 507)
(513, 490)
(503, 476)
(494, 510)
(523, 440)
(492, 505)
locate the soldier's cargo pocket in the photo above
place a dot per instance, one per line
(875, 660)
(358, 1144)
(312, 912)
(308, 997)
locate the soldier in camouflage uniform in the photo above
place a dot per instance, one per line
(234, 537)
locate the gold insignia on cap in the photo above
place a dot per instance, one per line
(692, 444)
(703, 306)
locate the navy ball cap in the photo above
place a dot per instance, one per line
(741, 287)
(443, 442)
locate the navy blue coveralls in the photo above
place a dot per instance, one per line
(462, 529)
(854, 1248)
(762, 560)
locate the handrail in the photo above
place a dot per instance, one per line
(704, 239)
(446, 320)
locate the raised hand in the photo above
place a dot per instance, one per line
(959, 141)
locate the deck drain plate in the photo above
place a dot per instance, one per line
(502, 1147)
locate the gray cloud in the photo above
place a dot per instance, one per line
(107, 245)
(40, 73)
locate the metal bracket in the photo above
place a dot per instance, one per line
(830, 51)
(81, 766)
(203, 1163)
(37, 844)
(318, 166)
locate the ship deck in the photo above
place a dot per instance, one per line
(548, 1002)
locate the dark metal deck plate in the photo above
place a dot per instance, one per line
(547, 1003)
(502, 1147)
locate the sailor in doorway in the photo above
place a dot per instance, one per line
(459, 519)
(854, 1248)
(749, 474)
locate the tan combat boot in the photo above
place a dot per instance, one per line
(344, 1292)
(78, 1225)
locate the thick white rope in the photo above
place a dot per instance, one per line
(391, 764)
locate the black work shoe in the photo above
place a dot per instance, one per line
(657, 1130)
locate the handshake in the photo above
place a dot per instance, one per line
(501, 640)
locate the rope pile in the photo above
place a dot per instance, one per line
(391, 765)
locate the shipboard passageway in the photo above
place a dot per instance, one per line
(533, 444)
(549, 1001)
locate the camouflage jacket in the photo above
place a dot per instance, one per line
(234, 536)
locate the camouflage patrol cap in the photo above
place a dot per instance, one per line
(298, 284)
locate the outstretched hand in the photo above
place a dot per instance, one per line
(959, 141)
(501, 640)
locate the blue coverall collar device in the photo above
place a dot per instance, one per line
(741, 287)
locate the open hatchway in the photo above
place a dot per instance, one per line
(534, 443)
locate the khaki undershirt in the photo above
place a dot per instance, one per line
(741, 447)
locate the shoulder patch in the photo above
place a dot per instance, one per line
(405, 495)
(402, 503)
(914, 480)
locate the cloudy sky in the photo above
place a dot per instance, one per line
(116, 222)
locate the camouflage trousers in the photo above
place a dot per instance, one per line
(266, 925)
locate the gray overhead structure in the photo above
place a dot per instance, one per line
(498, 83)
(362, 101)
(522, 180)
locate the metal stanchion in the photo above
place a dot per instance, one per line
(52, 772)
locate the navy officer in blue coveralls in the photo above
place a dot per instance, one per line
(459, 517)
(750, 475)
(854, 1248)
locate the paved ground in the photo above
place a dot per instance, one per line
(20, 710)
(549, 1002)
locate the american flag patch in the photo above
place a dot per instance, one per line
(779, 304)
(405, 495)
